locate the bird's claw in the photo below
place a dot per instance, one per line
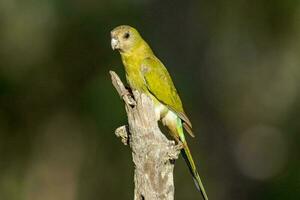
(174, 150)
(125, 93)
(128, 98)
(179, 146)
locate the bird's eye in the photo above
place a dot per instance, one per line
(126, 35)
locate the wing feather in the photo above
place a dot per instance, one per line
(160, 84)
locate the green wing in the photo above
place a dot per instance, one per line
(160, 84)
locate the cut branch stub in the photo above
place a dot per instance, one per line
(123, 133)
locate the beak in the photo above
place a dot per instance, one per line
(114, 43)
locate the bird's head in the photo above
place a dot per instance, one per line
(125, 38)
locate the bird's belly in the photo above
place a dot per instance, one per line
(160, 109)
(136, 82)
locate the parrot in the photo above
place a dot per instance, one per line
(148, 75)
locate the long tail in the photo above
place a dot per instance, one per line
(174, 123)
(190, 162)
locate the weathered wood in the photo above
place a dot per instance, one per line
(153, 154)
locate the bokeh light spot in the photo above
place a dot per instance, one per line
(261, 152)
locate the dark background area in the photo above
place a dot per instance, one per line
(235, 64)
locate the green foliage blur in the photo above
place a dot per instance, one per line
(236, 65)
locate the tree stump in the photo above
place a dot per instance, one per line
(152, 153)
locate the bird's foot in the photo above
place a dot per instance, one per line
(174, 150)
(128, 97)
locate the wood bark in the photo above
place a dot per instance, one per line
(153, 154)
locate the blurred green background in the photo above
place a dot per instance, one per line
(236, 65)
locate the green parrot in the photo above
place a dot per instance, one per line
(146, 73)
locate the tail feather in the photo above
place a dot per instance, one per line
(174, 124)
(190, 162)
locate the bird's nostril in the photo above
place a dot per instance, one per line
(112, 34)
